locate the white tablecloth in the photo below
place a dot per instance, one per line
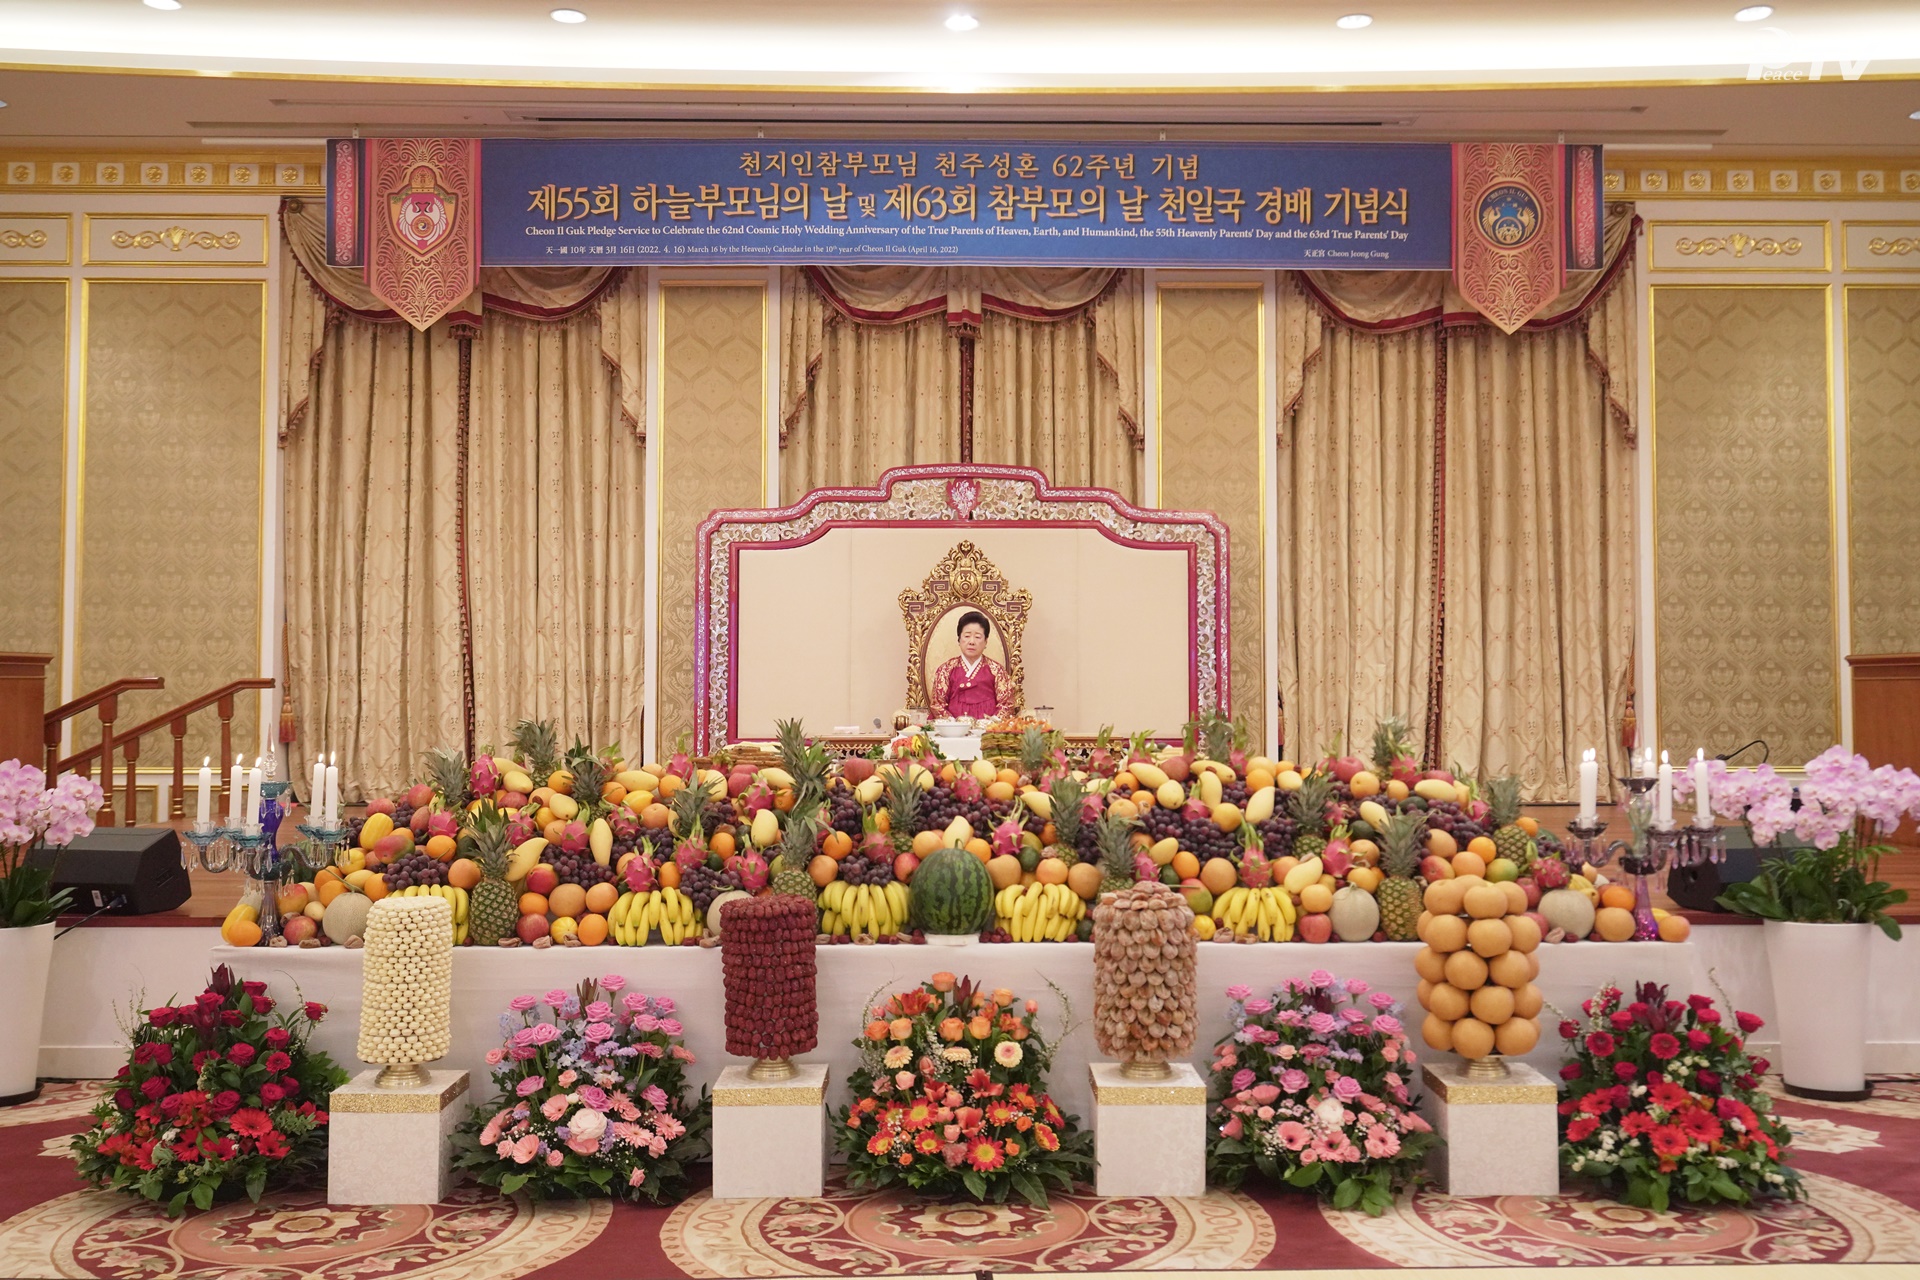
(484, 979)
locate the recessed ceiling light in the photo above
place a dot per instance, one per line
(161, 4)
(567, 15)
(1913, 115)
(1354, 21)
(1754, 13)
(3, 106)
(962, 22)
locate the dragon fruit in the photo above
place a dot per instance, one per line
(1143, 868)
(640, 874)
(625, 825)
(967, 789)
(689, 854)
(679, 764)
(1195, 809)
(1550, 873)
(751, 867)
(442, 824)
(1338, 857)
(520, 829)
(1100, 760)
(1256, 872)
(483, 779)
(573, 838)
(1092, 807)
(1006, 836)
(758, 799)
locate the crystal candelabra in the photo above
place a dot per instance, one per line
(1653, 849)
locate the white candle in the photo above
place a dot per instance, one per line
(1702, 805)
(333, 792)
(234, 798)
(254, 780)
(316, 810)
(1663, 810)
(1589, 786)
(203, 816)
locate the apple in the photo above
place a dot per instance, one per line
(292, 900)
(1532, 890)
(531, 928)
(314, 911)
(1502, 869)
(738, 781)
(420, 795)
(542, 879)
(298, 928)
(1198, 896)
(1178, 768)
(1437, 775)
(1434, 867)
(380, 804)
(418, 823)
(1546, 926)
(904, 866)
(1345, 767)
(1317, 927)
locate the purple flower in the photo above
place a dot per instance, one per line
(1239, 991)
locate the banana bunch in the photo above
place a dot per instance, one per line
(636, 915)
(458, 897)
(863, 908)
(1039, 912)
(1268, 914)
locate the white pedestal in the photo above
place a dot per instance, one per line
(1150, 1136)
(1502, 1136)
(393, 1146)
(770, 1136)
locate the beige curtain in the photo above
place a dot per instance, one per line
(372, 556)
(859, 398)
(1355, 503)
(1062, 396)
(555, 533)
(1539, 560)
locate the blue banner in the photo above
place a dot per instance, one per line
(602, 202)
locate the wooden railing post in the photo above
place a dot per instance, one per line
(109, 709)
(224, 709)
(132, 747)
(178, 807)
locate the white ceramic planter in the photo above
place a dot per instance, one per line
(1820, 1003)
(24, 957)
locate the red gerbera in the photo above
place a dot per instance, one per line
(1700, 1126)
(928, 1143)
(918, 1116)
(985, 1155)
(1001, 1112)
(1668, 1140)
(1663, 1046)
(1046, 1137)
(879, 1144)
(1581, 1128)
(251, 1122)
(1668, 1096)
(1596, 1104)
(1637, 1123)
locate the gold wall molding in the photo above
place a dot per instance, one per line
(1740, 245)
(166, 239)
(1854, 177)
(36, 239)
(1880, 246)
(293, 170)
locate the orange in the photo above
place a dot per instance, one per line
(1468, 863)
(671, 783)
(567, 900)
(1675, 929)
(1051, 871)
(463, 873)
(822, 869)
(533, 904)
(325, 874)
(1484, 846)
(1186, 866)
(242, 933)
(328, 890)
(1617, 895)
(1084, 879)
(600, 899)
(838, 845)
(980, 849)
(375, 887)
(669, 875)
(1529, 825)
(440, 848)
(722, 843)
(1219, 875)
(1009, 776)
(612, 792)
(593, 928)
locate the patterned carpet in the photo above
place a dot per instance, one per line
(1863, 1206)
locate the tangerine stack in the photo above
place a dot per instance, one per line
(1477, 968)
(767, 968)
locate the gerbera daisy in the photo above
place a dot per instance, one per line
(1048, 1140)
(985, 1155)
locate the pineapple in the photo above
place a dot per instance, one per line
(812, 768)
(1510, 840)
(1036, 753)
(591, 771)
(791, 739)
(537, 745)
(903, 808)
(1308, 805)
(1068, 794)
(492, 907)
(1393, 747)
(1399, 894)
(1114, 836)
(1217, 736)
(797, 845)
(447, 769)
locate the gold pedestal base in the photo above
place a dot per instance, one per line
(1146, 1071)
(1491, 1067)
(773, 1069)
(400, 1075)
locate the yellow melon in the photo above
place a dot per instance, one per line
(1004, 870)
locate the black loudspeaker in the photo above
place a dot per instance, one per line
(1696, 888)
(139, 864)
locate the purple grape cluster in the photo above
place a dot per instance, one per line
(414, 869)
(857, 868)
(717, 814)
(402, 814)
(1445, 815)
(1277, 834)
(843, 812)
(704, 883)
(580, 869)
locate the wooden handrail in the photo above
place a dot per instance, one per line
(128, 742)
(107, 699)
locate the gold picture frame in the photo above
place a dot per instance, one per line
(964, 579)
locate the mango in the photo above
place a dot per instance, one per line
(1301, 876)
(1208, 785)
(1150, 776)
(1260, 805)
(766, 829)
(1434, 789)
(378, 826)
(600, 840)
(516, 780)
(1170, 794)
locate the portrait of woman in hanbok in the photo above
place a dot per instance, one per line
(972, 685)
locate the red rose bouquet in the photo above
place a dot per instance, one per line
(1661, 1101)
(592, 1099)
(220, 1093)
(951, 1095)
(1311, 1087)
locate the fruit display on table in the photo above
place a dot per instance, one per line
(536, 846)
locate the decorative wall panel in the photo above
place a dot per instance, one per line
(1212, 456)
(129, 239)
(1881, 246)
(33, 385)
(710, 447)
(173, 394)
(1757, 245)
(1743, 567)
(1883, 468)
(42, 239)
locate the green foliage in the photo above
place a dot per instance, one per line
(1840, 885)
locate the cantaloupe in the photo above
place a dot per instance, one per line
(1355, 914)
(346, 916)
(1569, 911)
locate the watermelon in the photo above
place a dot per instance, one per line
(952, 893)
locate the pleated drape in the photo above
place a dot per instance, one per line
(555, 536)
(1539, 560)
(372, 554)
(1355, 506)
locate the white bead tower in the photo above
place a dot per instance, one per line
(406, 987)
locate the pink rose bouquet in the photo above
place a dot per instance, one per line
(1313, 1088)
(592, 1099)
